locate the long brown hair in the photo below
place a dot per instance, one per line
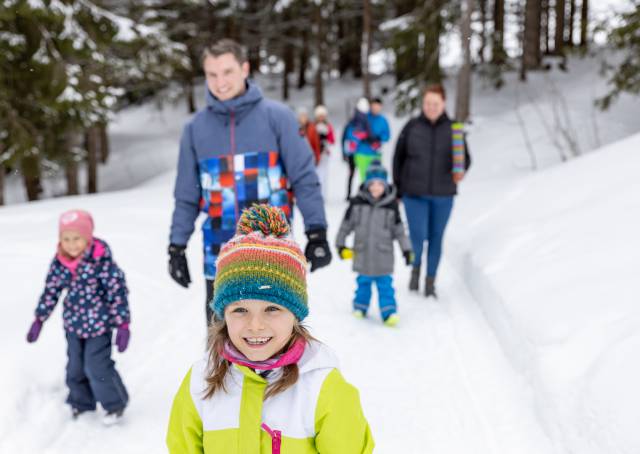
(218, 366)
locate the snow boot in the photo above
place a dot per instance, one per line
(392, 320)
(76, 412)
(430, 287)
(112, 417)
(414, 283)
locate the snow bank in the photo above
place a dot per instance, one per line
(554, 265)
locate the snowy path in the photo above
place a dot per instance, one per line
(442, 383)
(438, 383)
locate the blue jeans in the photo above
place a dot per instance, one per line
(427, 217)
(386, 294)
(92, 376)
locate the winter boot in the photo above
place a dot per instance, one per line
(392, 320)
(414, 283)
(430, 287)
(112, 417)
(76, 412)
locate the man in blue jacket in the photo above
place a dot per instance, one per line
(241, 149)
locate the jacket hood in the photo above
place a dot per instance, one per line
(239, 105)
(389, 195)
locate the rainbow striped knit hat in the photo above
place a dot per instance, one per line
(261, 262)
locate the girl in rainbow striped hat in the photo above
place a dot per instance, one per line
(266, 385)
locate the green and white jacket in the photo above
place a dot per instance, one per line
(321, 413)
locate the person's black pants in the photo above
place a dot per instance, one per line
(92, 376)
(208, 310)
(352, 170)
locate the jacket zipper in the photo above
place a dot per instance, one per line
(233, 162)
(276, 438)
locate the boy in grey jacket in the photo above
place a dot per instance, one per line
(374, 216)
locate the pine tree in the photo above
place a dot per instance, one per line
(416, 44)
(64, 64)
(625, 76)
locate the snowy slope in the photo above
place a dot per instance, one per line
(554, 265)
(441, 374)
(542, 255)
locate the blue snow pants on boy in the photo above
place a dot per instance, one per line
(92, 376)
(427, 217)
(386, 294)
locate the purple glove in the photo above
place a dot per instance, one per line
(122, 337)
(34, 331)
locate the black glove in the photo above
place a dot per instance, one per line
(317, 251)
(409, 257)
(178, 268)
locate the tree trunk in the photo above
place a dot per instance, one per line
(483, 29)
(366, 47)
(71, 174)
(253, 56)
(304, 60)
(544, 25)
(584, 23)
(73, 145)
(187, 88)
(463, 95)
(3, 171)
(429, 42)
(288, 54)
(2, 175)
(320, 54)
(356, 48)
(499, 55)
(92, 145)
(531, 37)
(572, 13)
(559, 32)
(105, 147)
(30, 167)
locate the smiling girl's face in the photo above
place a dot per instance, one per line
(73, 244)
(259, 329)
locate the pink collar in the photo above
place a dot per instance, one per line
(72, 263)
(291, 356)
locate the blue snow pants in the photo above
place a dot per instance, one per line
(427, 217)
(386, 294)
(92, 376)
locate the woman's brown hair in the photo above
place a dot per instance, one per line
(218, 366)
(435, 88)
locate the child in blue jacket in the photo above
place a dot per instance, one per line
(95, 304)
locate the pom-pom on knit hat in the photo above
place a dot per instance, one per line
(362, 105)
(320, 111)
(261, 262)
(77, 220)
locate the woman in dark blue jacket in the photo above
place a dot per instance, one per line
(430, 160)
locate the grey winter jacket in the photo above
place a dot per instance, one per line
(423, 160)
(376, 224)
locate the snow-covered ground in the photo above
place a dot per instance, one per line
(529, 349)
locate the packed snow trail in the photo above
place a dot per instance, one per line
(436, 383)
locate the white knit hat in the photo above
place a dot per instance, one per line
(363, 105)
(320, 111)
